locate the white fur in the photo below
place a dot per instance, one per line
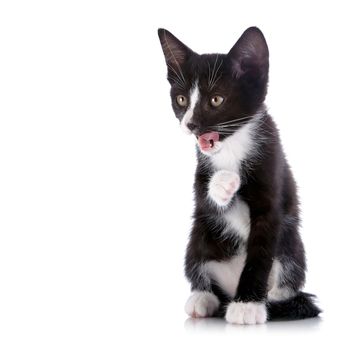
(275, 292)
(274, 276)
(279, 294)
(194, 99)
(246, 313)
(202, 304)
(237, 219)
(229, 153)
(222, 186)
(227, 273)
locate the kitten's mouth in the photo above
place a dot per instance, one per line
(207, 141)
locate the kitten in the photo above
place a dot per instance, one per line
(245, 259)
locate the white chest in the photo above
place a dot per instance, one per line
(237, 219)
(235, 148)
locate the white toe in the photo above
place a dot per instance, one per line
(246, 313)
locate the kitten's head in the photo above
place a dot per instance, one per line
(215, 94)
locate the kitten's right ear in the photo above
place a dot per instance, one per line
(176, 53)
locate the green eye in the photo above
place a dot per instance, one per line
(216, 100)
(181, 100)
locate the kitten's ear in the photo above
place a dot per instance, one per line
(250, 55)
(176, 53)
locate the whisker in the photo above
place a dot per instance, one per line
(226, 133)
(215, 81)
(209, 75)
(215, 78)
(212, 76)
(228, 127)
(175, 78)
(177, 82)
(180, 80)
(234, 120)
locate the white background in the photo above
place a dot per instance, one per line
(96, 176)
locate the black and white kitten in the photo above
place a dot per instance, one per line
(245, 258)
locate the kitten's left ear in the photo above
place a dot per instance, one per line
(250, 55)
(175, 52)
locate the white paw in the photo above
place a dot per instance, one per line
(246, 313)
(202, 304)
(222, 186)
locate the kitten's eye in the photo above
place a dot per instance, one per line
(181, 100)
(216, 100)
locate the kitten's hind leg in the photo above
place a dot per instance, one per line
(202, 304)
(285, 279)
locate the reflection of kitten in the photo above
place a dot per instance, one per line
(245, 258)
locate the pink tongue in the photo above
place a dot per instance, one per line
(207, 140)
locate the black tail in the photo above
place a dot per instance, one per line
(299, 307)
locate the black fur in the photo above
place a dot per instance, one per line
(300, 307)
(267, 184)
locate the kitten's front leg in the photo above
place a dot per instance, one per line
(222, 187)
(249, 306)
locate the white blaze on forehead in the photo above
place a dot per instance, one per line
(194, 98)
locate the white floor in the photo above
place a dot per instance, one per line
(273, 335)
(221, 326)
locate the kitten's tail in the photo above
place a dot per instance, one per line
(299, 307)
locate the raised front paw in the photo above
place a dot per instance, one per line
(222, 186)
(202, 304)
(246, 313)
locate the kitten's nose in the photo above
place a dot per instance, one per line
(192, 126)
